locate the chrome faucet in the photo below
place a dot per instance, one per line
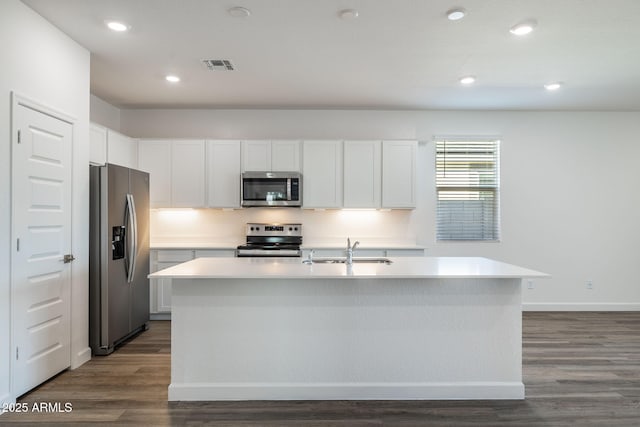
(309, 259)
(350, 250)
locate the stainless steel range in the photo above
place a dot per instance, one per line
(272, 240)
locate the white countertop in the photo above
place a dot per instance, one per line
(195, 245)
(293, 268)
(190, 244)
(378, 245)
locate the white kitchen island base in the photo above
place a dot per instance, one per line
(321, 332)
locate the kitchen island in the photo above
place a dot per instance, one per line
(418, 328)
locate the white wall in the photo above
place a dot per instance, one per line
(103, 113)
(569, 204)
(42, 64)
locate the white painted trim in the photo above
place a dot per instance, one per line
(160, 316)
(346, 391)
(18, 99)
(81, 358)
(557, 306)
(6, 399)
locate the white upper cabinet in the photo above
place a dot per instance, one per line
(97, 144)
(187, 174)
(285, 156)
(399, 174)
(122, 150)
(322, 178)
(176, 170)
(154, 156)
(280, 156)
(223, 174)
(362, 174)
(256, 156)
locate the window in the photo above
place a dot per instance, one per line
(468, 187)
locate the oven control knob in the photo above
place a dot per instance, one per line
(296, 228)
(290, 229)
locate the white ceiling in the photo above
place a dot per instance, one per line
(400, 54)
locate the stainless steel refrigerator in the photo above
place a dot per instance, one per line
(118, 256)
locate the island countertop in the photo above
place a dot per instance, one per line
(294, 268)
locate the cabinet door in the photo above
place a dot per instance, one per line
(154, 156)
(223, 174)
(187, 174)
(362, 174)
(256, 156)
(285, 156)
(161, 288)
(122, 150)
(322, 174)
(97, 144)
(399, 174)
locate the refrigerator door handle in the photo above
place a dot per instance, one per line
(133, 242)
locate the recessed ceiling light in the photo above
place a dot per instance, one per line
(172, 78)
(117, 26)
(467, 80)
(239, 12)
(523, 28)
(348, 14)
(553, 86)
(455, 14)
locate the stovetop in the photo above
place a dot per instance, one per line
(272, 240)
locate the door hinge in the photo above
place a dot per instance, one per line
(18, 245)
(19, 136)
(68, 258)
(17, 352)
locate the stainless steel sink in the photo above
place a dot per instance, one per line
(356, 260)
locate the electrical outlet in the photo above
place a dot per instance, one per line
(589, 284)
(529, 284)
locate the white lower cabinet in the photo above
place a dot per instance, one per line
(160, 294)
(365, 252)
(161, 288)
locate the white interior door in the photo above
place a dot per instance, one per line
(41, 235)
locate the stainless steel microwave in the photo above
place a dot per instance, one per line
(271, 189)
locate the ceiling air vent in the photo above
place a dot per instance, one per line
(218, 64)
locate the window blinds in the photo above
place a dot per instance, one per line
(468, 183)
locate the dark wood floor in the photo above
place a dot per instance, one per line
(579, 369)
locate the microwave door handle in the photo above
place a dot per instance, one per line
(288, 188)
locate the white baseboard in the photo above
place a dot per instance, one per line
(160, 316)
(552, 306)
(347, 391)
(5, 399)
(81, 358)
